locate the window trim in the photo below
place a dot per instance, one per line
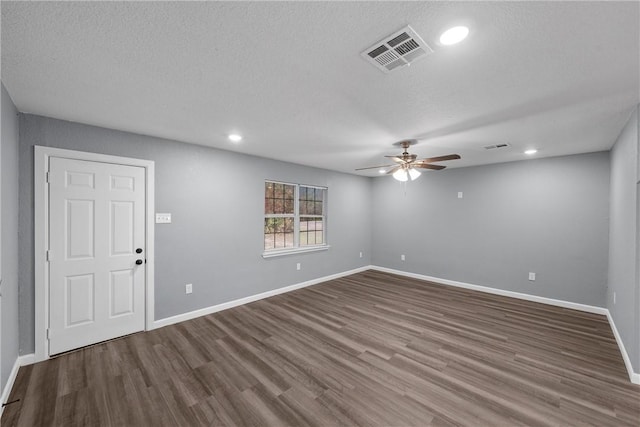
(296, 249)
(292, 251)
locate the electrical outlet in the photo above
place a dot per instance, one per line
(532, 276)
(614, 298)
(298, 266)
(459, 194)
(163, 218)
(402, 257)
(188, 288)
(360, 254)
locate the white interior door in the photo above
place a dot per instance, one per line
(96, 252)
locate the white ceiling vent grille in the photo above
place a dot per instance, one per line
(496, 146)
(399, 49)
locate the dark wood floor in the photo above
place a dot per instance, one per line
(368, 349)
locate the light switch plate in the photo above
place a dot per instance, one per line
(163, 218)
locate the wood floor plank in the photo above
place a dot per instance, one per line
(371, 349)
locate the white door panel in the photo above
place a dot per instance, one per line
(96, 223)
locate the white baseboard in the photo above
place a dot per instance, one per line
(486, 289)
(25, 360)
(224, 306)
(633, 376)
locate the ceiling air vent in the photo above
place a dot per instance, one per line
(397, 50)
(495, 146)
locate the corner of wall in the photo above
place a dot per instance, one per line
(623, 278)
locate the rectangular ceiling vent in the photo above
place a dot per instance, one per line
(496, 146)
(397, 50)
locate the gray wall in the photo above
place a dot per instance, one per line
(216, 199)
(623, 254)
(548, 216)
(9, 207)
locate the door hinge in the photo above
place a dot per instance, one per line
(49, 255)
(48, 333)
(46, 177)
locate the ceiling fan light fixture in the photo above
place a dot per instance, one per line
(401, 175)
(413, 174)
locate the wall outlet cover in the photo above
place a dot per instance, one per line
(163, 218)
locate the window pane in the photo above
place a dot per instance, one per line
(302, 206)
(278, 206)
(318, 208)
(268, 189)
(268, 206)
(282, 240)
(303, 193)
(279, 191)
(289, 191)
(288, 240)
(288, 206)
(288, 225)
(319, 194)
(311, 231)
(269, 236)
(268, 225)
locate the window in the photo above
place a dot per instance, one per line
(294, 217)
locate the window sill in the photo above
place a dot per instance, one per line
(284, 252)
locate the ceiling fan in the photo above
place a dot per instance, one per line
(407, 165)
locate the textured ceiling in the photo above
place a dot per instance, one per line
(558, 76)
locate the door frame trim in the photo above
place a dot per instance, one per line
(41, 235)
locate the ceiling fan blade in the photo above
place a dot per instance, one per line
(373, 167)
(427, 166)
(440, 158)
(397, 159)
(393, 170)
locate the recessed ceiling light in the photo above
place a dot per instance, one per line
(530, 152)
(234, 137)
(454, 35)
(381, 171)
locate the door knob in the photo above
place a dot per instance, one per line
(138, 261)
(139, 250)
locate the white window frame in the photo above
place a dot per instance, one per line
(296, 249)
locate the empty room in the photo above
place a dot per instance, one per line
(320, 213)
